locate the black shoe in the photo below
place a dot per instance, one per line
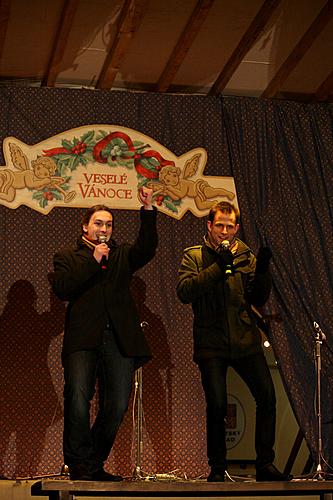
(216, 476)
(80, 476)
(79, 472)
(102, 475)
(270, 473)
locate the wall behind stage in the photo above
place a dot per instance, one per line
(32, 318)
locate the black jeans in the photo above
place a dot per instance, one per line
(86, 448)
(255, 373)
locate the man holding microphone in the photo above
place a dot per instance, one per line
(222, 279)
(103, 340)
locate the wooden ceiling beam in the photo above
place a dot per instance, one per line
(246, 43)
(300, 50)
(184, 43)
(4, 17)
(60, 42)
(325, 90)
(129, 21)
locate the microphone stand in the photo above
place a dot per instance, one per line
(320, 337)
(137, 474)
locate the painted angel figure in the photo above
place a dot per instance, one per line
(38, 176)
(177, 186)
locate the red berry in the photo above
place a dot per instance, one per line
(159, 200)
(48, 195)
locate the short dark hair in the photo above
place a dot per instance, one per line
(91, 210)
(224, 207)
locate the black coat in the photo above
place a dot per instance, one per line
(98, 297)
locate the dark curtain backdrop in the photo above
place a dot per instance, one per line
(280, 154)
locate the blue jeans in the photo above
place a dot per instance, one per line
(86, 448)
(255, 373)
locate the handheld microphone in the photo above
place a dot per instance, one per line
(102, 239)
(225, 245)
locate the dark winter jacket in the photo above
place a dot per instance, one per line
(224, 323)
(98, 298)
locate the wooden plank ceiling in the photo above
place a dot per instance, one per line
(265, 48)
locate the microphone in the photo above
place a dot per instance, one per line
(102, 239)
(319, 331)
(225, 245)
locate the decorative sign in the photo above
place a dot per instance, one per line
(235, 422)
(107, 164)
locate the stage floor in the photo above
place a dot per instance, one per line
(80, 490)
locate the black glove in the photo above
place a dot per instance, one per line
(225, 259)
(263, 258)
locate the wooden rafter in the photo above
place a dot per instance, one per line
(247, 41)
(300, 49)
(325, 89)
(184, 43)
(129, 21)
(4, 17)
(60, 42)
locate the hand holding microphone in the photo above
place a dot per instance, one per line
(102, 250)
(226, 257)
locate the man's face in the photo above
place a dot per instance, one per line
(100, 223)
(223, 227)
